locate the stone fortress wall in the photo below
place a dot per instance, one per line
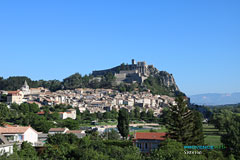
(137, 72)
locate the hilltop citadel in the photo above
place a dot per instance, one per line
(130, 73)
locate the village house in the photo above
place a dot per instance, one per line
(70, 113)
(15, 97)
(148, 141)
(20, 134)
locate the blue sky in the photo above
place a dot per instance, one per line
(197, 41)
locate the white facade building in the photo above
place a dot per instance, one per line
(20, 134)
(71, 113)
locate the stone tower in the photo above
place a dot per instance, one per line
(25, 88)
(133, 62)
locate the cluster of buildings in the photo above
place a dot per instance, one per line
(94, 100)
(14, 134)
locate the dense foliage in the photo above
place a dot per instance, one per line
(88, 148)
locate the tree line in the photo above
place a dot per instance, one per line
(153, 83)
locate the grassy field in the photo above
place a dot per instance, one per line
(211, 134)
(163, 129)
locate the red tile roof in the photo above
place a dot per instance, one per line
(149, 135)
(12, 130)
(42, 112)
(57, 130)
(13, 92)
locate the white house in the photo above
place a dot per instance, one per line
(20, 134)
(5, 146)
(15, 97)
(71, 113)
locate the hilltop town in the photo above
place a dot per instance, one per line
(94, 100)
(97, 99)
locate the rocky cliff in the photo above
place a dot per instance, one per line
(164, 78)
(168, 80)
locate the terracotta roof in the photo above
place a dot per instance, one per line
(13, 92)
(42, 112)
(11, 130)
(57, 130)
(74, 131)
(150, 135)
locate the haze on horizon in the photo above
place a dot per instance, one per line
(196, 41)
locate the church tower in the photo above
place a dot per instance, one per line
(25, 88)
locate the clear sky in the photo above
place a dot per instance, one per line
(198, 41)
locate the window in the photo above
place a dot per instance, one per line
(146, 145)
(139, 145)
(20, 137)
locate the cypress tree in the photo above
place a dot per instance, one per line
(123, 122)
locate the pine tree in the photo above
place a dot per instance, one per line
(180, 122)
(123, 122)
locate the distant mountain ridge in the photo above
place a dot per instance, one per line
(216, 98)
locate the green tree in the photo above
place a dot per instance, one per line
(150, 115)
(27, 151)
(111, 135)
(123, 122)
(4, 113)
(232, 137)
(41, 124)
(180, 122)
(69, 123)
(198, 136)
(143, 115)
(59, 139)
(137, 113)
(73, 81)
(221, 118)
